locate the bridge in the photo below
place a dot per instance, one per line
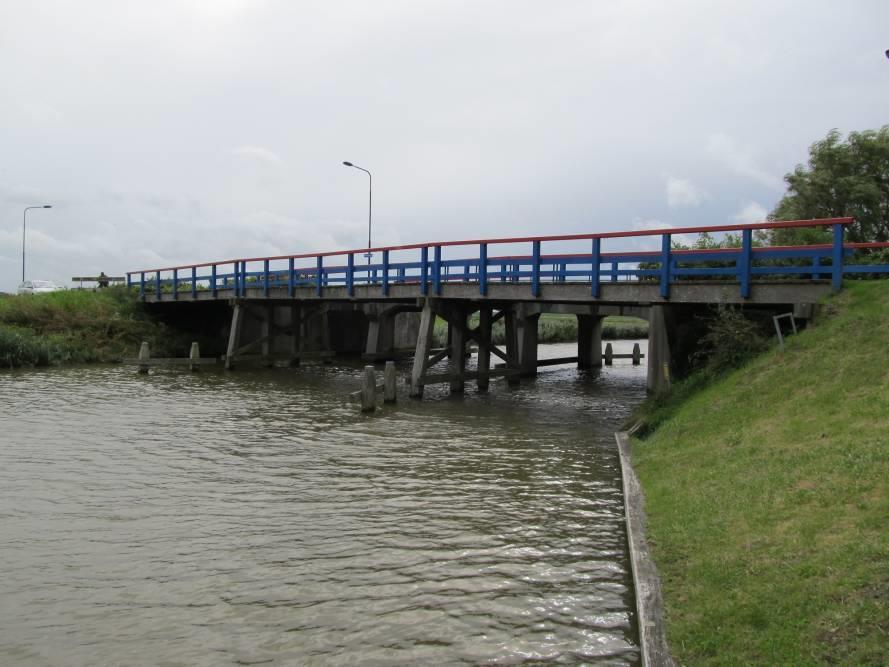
(291, 307)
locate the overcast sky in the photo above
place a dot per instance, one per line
(167, 132)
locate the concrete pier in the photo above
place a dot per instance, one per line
(369, 390)
(589, 341)
(527, 319)
(660, 322)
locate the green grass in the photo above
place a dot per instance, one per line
(560, 329)
(75, 326)
(767, 503)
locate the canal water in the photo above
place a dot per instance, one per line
(257, 517)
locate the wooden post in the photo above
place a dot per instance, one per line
(389, 383)
(424, 344)
(637, 354)
(144, 356)
(609, 355)
(193, 356)
(234, 336)
(484, 348)
(369, 390)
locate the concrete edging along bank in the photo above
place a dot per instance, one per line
(649, 605)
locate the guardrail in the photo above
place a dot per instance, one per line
(425, 265)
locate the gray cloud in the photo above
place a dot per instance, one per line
(170, 132)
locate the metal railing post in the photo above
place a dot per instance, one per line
(424, 270)
(350, 274)
(483, 269)
(535, 268)
(745, 261)
(436, 270)
(319, 279)
(291, 285)
(213, 279)
(665, 266)
(265, 277)
(194, 283)
(837, 258)
(385, 280)
(594, 275)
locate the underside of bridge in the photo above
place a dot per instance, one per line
(269, 328)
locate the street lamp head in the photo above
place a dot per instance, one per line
(47, 206)
(348, 164)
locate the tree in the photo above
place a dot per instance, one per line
(842, 178)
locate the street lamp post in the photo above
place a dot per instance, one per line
(24, 228)
(370, 188)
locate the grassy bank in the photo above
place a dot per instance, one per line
(767, 501)
(560, 329)
(74, 326)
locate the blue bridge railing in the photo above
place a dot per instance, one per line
(577, 258)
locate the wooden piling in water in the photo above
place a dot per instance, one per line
(389, 383)
(637, 354)
(193, 356)
(369, 390)
(144, 356)
(609, 355)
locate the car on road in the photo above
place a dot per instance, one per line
(38, 287)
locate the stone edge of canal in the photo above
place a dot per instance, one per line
(649, 604)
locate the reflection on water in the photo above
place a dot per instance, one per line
(258, 517)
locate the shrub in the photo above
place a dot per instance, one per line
(730, 340)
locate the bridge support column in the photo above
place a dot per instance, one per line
(526, 323)
(512, 344)
(295, 337)
(660, 322)
(234, 336)
(390, 331)
(421, 355)
(457, 339)
(589, 341)
(267, 334)
(380, 335)
(484, 348)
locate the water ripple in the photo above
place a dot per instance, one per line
(258, 518)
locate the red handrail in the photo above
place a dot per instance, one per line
(818, 222)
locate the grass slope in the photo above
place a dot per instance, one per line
(75, 326)
(767, 503)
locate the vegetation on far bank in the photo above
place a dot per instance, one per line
(75, 326)
(767, 495)
(559, 329)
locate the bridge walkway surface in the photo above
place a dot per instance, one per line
(298, 306)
